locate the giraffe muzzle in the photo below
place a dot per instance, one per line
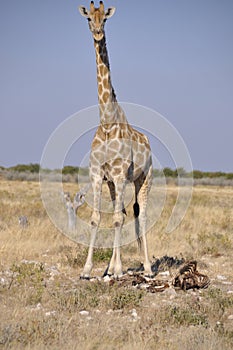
(98, 35)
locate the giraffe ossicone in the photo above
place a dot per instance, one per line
(119, 154)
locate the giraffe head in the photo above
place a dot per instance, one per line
(97, 18)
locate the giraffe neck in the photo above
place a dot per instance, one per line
(110, 111)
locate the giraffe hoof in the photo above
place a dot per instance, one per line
(109, 275)
(149, 275)
(87, 278)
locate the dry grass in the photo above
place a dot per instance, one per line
(41, 295)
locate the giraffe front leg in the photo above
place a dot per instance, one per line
(118, 220)
(89, 264)
(142, 190)
(95, 220)
(115, 267)
(111, 266)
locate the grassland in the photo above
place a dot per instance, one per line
(44, 304)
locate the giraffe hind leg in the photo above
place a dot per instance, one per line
(136, 210)
(142, 188)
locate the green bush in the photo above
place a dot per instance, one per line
(70, 170)
(31, 168)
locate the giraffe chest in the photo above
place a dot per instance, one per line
(111, 158)
(121, 154)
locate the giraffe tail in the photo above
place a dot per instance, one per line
(136, 210)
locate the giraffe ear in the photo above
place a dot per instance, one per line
(84, 12)
(110, 12)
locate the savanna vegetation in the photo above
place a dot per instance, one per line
(30, 172)
(44, 304)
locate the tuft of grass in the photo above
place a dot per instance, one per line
(30, 331)
(76, 257)
(102, 255)
(73, 256)
(186, 316)
(86, 296)
(75, 299)
(29, 275)
(213, 243)
(219, 299)
(126, 298)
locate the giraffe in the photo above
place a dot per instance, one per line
(119, 154)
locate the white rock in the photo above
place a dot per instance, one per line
(134, 313)
(230, 317)
(50, 313)
(110, 311)
(165, 273)
(37, 307)
(2, 280)
(84, 313)
(130, 273)
(93, 279)
(221, 277)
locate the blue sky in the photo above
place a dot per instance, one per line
(173, 56)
